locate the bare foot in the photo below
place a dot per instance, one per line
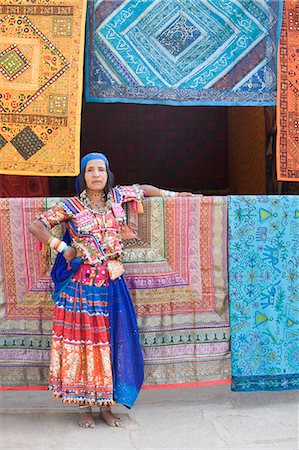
(109, 418)
(85, 418)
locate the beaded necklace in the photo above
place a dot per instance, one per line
(88, 203)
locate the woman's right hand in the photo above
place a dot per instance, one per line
(70, 253)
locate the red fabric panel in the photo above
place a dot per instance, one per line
(23, 186)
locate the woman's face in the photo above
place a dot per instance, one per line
(95, 175)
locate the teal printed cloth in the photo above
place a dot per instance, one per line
(183, 52)
(264, 292)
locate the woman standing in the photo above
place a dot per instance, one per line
(96, 357)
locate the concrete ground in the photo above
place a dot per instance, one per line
(196, 418)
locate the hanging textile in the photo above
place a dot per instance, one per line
(41, 64)
(263, 291)
(22, 186)
(175, 270)
(191, 52)
(287, 155)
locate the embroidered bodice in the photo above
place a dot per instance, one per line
(95, 234)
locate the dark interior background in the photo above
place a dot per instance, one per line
(171, 147)
(212, 150)
(182, 148)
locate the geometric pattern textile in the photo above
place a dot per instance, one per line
(27, 143)
(41, 63)
(263, 291)
(288, 95)
(177, 276)
(183, 52)
(175, 270)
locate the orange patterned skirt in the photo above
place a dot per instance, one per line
(80, 362)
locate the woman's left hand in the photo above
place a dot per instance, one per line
(184, 194)
(70, 253)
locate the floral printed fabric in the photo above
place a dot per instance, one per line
(263, 288)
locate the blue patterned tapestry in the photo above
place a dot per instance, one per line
(183, 52)
(264, 292)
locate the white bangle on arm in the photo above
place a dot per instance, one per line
(165, 193)
(57, 244)
(52, 241)
(62, 247)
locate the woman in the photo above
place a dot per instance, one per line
(95, 357)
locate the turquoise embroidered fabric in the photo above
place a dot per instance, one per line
(183, 52)
(264, 292)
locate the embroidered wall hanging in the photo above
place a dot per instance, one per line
(183, 52)
(263, 291)
(41, 63)
(288, 95)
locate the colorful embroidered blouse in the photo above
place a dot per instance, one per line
(96, 235)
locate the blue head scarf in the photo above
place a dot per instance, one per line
(90, 157)
(85, 160)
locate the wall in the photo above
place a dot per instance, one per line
(246, 150)
(171, 147)
(201, 149)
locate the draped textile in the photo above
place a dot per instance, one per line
(22, 186)
(183, 52)
(287, 155)
(263, 291)
(177, 276)
(41, 65)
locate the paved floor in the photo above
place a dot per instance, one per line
(196, 418)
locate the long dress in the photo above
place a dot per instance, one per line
(95, 356)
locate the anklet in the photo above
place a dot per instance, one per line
(84, 409)
(105, 408)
